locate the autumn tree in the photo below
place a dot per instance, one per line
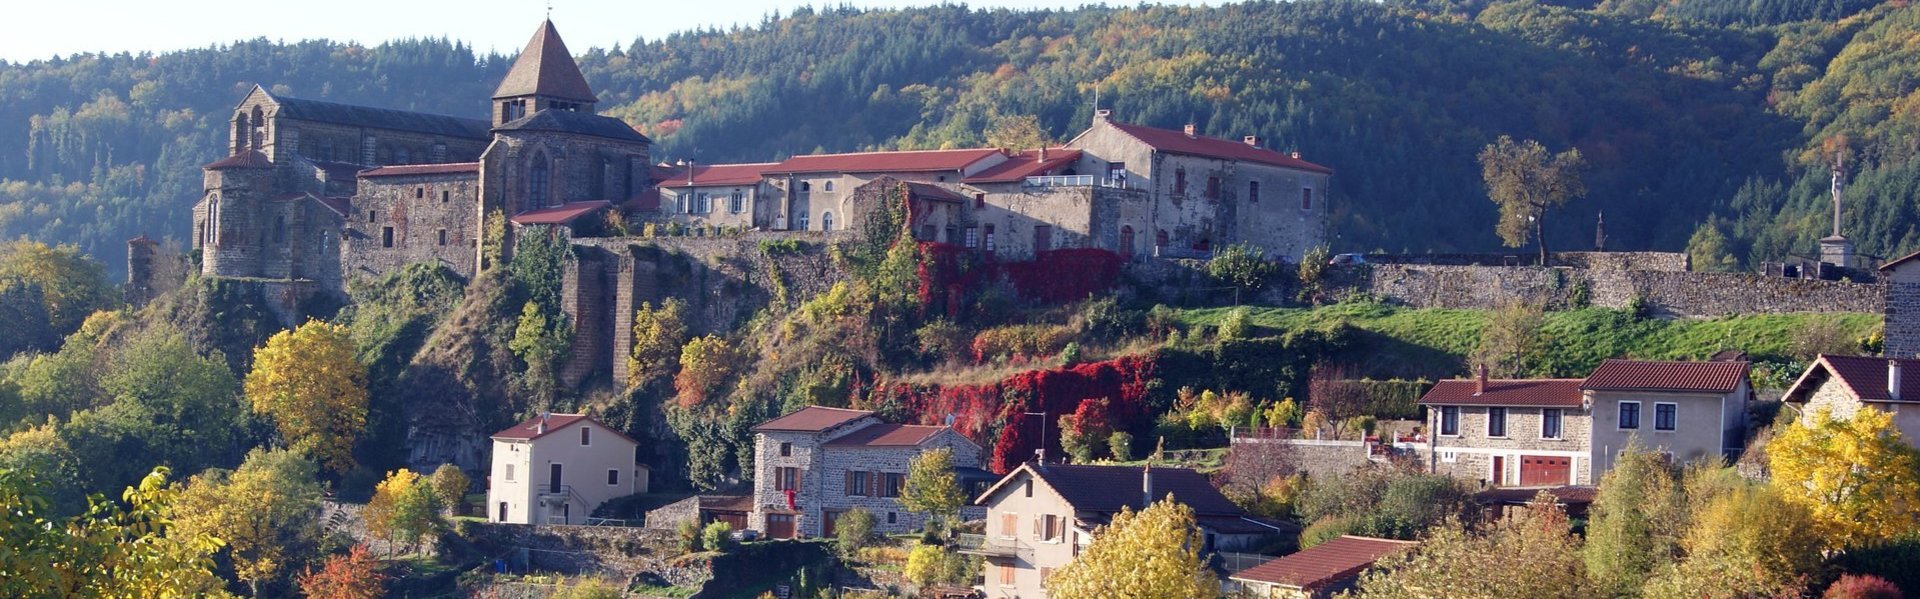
(1017, 132)
(1534, 548)
(658, 335)
(1152, 554)
(450, 484)
(1085, 431)
(1856, 476)
(353, 575)
(116, 550)
(309, 384)
(1525, 182)
(1745, 542)
(71, 285)
(404, 509)
(267, 512)
(1243, 266)
(706, 364)
(1514, 342)
(1636, 521)
(931, 487)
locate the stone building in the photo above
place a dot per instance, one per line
(1546, 432)
(1902, 279)
(321, 193)
(815, 464)
(1841, 385)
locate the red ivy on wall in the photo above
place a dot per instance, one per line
(948, 272)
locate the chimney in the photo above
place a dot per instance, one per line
(1190, 130)
(1102, 115)
(1480, 380)
(541, 427)
(1146, 486)
(689, 173)
(1893, 380)
(1252, 140)
(1295, 154)
(1043, 153)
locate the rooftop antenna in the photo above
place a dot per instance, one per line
(549, 10)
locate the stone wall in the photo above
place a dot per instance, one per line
(1668, 261)
(1320, 458)
(1663, 292)
(401, 220)
(1903, 312)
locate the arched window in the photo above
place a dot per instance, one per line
(1126, 241)
(826, 221)
(538, 181)
(259, 128)
(829, 186)
(242, 133)
(1160, 238)
(212, 234)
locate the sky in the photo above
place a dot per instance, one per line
(42, 29)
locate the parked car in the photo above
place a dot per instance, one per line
(1348, 259)
(746, 534)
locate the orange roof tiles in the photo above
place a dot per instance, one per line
(559, 215)
(887, 435)
(1025, 164)
(717, 174)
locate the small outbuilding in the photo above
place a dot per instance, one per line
(1319, 571)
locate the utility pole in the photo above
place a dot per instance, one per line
(1041, 453)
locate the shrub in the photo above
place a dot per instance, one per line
(688, 535)
(854, 529)
(1242, 265)
(1070, 354)
(1121, 444)
(1857, 586)
(717, 536)
(1325, 529)
(1235, 324)
(1021, 340)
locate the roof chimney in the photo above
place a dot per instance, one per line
(1190, 130)
(540, 428)
(1893, 380)
(1252, 140)
(689, 172)
(1480, 380)
(1043, 153)
(1146, 486)
(1102, 115)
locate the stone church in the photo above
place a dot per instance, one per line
(314, 194)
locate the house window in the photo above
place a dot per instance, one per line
(890, 483)
(1006, 575)
(1496, 422)
(419, 192)
(1450, 420)
(893, 517)
(613, 477)
(1629, 415)
(736, 202)
(1117, 174)
(585, 438)
(1664, 415)
(1213, 188)
(1550, 423)
(1180, 182)
(1050, 529)
(858, 483)
(979, 200)
(443, 236)
(828, 186)
(800, 221)
(370, 215)
(973, 237)
(1253, 192)
(386, 237)
(1160, 238)
(1008, 522)
(826, 221)
(445, 196)
(509, 472)
(1306, 198)
(989, 239)
(1449, 457)
(786, 478)
(786, 450)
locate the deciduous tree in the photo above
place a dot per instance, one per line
(1636, 522)
(353, 575)
(1525, 182)
(1514, 342)
(404, 509)
(71, 284)
(1746, 542)
(1537, 555)
(706, 364)
(308, 382)
(450, 484)
(658, 335)
(267, 512)
(122, 550)
(930, 485)
(1859, 479)
(1152, 554)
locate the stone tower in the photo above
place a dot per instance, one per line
(230, 239)
(545, 77)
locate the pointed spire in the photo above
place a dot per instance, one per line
(545, 68)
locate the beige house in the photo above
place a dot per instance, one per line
(1549, 432)
(725, 195)
(556, 468)
(1841, 385)
(817, 463)
(1040, 516)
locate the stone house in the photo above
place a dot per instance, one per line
(1550, 432)
(1208, 192)
(722, 195)
(817, 463)
(1841, 385)
(1320, 571)
(420, 213)
(1040, 516)
(1902, 279)
(556, 468)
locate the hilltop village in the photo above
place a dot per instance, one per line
(522, 355)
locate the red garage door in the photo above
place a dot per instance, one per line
(1543, 470)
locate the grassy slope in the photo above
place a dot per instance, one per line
(1435, 342)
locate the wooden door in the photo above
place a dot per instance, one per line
(1545, 470)
(1042, 238)
(827, 520)
(779, 526)
(1499, 470)
(1126, 242)
(553, 478)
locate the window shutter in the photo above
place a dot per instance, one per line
(849, 486)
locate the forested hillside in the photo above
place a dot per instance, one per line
(1694, 114)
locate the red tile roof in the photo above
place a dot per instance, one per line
(530, 430)
(717, 174)
(1330, 562)
(559, 215)
(545, 68)
(1177, 142)
(929, 191)
(422, 169)
(812, 419)
(1025, 164)
(884, 162)
(1677, 377)
(247, 159)
(1550, 393)
(1865, 377)
(887, 435)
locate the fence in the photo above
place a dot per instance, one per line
(1233, 563)
(1080, 181)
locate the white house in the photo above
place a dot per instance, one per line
(556, 468)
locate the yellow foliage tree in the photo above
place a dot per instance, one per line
(309, 383)
(1746, 542)
(1153, 554)
(1856, 476)
(706, 363)
(267, 513)
(404, 508)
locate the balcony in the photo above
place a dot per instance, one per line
(994, 546)
(1081, 181)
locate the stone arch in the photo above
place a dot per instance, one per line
(826, 221)
(258, 132)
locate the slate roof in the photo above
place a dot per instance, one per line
(812, 419)
(545, 68)
(559, 215)
(1549, 393)
(247, 159)
(716, 174)
(1865, 377)
(422, 169)
(884, 162)
(1324, 564)
(580, 123)
(1106, 489)
(887, 435)
(1177, 142)
(1025, 164)
(1672, 377)
(380, 118)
